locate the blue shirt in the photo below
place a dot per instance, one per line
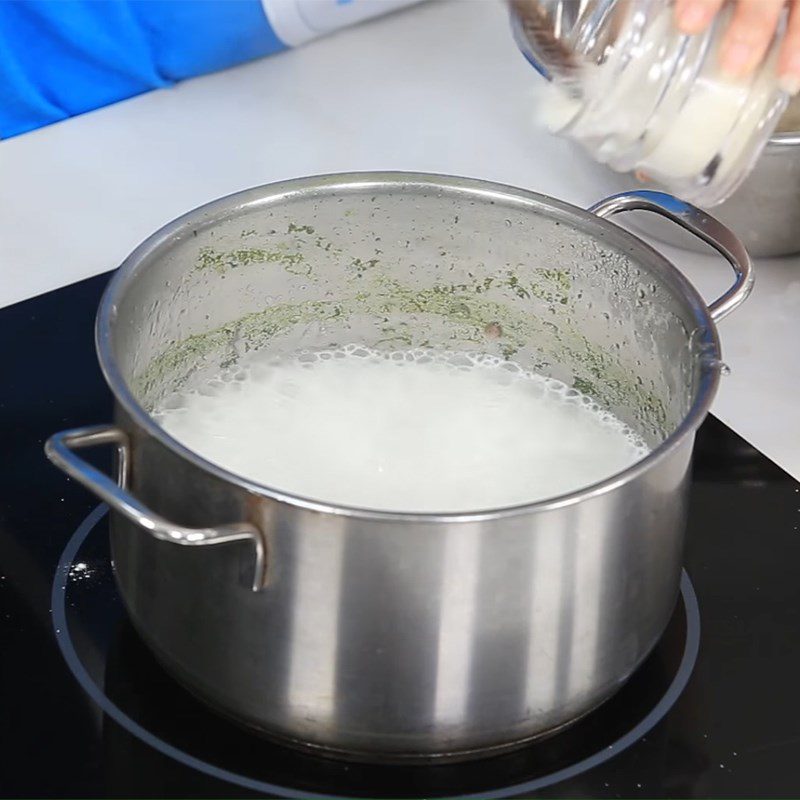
(59, 58)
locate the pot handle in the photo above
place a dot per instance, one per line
(699, 223)
(60, 449)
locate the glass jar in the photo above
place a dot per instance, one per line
(641, 96)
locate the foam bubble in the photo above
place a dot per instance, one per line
(405, 430)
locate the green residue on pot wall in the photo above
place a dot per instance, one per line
(528, 319)
(360, 266)
(253, 330)
(208, 258)
(584, 386)
(553, 286)
(291, 252)
(294, 228)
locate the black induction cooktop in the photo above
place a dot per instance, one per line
(85, 711)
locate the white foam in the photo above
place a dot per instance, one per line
(415, 430)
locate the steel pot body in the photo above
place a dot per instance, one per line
(389, 635)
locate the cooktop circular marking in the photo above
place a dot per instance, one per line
(58, 604)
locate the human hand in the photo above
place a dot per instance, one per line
(749, 36)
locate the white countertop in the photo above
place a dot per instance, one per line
(438, 87)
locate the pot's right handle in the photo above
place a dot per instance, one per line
(60, 449)
(699, 223)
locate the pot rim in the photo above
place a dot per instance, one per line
(486, 191)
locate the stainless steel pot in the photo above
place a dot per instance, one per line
(764, 212)
(389, 635)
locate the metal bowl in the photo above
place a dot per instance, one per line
(764, 212)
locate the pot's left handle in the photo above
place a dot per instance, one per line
(60, 449)
(702, 225)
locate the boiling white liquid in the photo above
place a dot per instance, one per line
(408, 431)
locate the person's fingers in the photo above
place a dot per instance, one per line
(789, 63)
(694, 16)
(749, 35)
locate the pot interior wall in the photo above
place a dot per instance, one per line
(412, 265)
